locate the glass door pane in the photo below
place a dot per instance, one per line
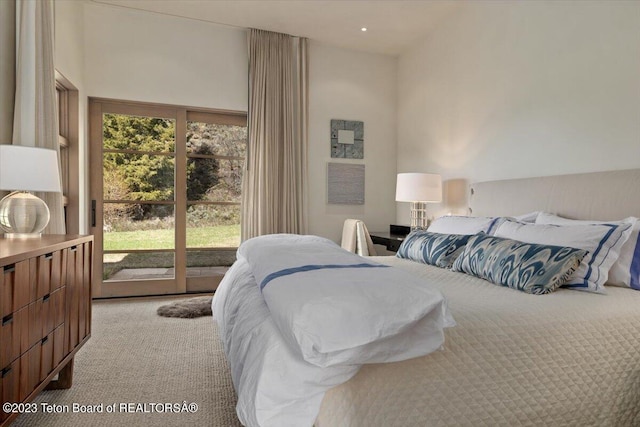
(215, 161)
(138, 208)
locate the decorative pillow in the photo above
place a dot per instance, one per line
(602, 241)
(432, 248)
(466, 225)
(528, 267)
(625, 271)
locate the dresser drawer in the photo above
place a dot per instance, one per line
(10, 385)
(52, 312)
(29, 371)
(58, 306)
(40, 360)
(16, 290)
(14, 335)
(23, 329)
(45, 315)
(49, 272)
(46, 356)
(51, 353)
(58, 345)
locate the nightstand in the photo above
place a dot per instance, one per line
(391, 241)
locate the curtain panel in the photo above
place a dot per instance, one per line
(274, 191)
(7, 69)
(28, 105)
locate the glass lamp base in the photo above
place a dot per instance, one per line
(419, 219)
(23, 215)
(22, 235)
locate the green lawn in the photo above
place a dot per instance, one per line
(219, 236)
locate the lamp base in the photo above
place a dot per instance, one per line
(419, 219)
(23, 215)
(19, 236)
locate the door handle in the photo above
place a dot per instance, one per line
(93, 213)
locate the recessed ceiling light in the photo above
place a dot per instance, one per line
(363, 29)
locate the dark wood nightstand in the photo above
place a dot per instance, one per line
(391, 241)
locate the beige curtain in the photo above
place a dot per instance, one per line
(7, 71)
(35, 120)
(274, 188)
(7, 68)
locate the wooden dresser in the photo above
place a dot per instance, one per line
(45, 307)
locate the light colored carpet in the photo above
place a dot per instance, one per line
(136, 356)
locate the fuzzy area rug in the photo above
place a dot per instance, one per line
(187, 308)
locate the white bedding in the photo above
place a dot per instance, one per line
(275, 387)
(353, 318)
(564, 359)
(334, 307)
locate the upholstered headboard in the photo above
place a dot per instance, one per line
(598, 195)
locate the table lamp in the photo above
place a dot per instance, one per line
(419, 189)
(25, 169)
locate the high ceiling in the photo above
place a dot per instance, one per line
(392, 25)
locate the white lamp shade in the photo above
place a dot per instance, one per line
(29, 169)
(418, 187)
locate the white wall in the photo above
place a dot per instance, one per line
(117, 53)
(349, 85)
(69, 40)
(517, 89)
(142, 56)
(69, 61)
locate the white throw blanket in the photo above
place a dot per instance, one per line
(336, 308)
(356, 238)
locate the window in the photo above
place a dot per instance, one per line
(68, 125)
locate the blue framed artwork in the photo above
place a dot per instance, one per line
(347, 139)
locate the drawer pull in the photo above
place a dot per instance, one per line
(7, 319)
(9, 268)
(48, 256)
(46, 297)
(6, 371)
(44, 340)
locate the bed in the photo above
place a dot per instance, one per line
(569, 358)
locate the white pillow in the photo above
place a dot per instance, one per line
(528, 217)
(625, 271)
(462, 225)
(603, 241)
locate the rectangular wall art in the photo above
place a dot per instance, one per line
(347, 139)
(345, 184)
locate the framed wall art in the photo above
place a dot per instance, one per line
(347, 139)
(345, 184)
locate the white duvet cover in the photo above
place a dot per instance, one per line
(337, 308)
(276, 386)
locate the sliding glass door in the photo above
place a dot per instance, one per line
(165, 189)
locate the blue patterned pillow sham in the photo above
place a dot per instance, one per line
(528, 267)
(432, 248)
